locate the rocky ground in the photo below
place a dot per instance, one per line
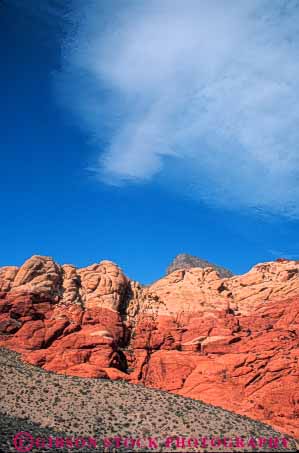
(47, 404)
(231, 342)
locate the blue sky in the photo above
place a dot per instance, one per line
(133, 132)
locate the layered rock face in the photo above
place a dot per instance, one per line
(231, 342)
(186, 261)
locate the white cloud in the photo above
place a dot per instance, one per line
(204, 92)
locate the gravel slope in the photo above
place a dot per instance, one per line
(45, 404)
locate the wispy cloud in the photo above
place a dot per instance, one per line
(201, 92)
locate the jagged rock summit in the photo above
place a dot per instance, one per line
(231, 342)
(186, 261)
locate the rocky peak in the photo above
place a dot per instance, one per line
(185, 261)
(230, 342)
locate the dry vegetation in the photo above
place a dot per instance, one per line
(46, 404)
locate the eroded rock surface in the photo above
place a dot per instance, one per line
(186, 261)
(231, 342)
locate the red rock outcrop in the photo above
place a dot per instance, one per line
(231, 342)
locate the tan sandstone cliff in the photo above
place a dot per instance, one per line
(232, 342)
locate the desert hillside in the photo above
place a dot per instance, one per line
(48, 404)
(229, 341)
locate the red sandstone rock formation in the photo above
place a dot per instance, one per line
(231, 342)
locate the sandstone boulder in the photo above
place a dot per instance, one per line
(232, 341)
